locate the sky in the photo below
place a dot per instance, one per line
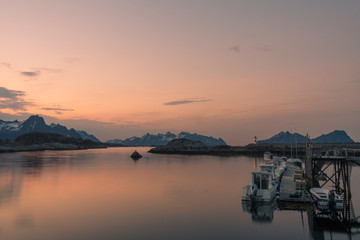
(229, 69)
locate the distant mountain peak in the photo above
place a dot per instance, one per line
(336, 136)
(285, 137)
(35, 118)
(12, 129)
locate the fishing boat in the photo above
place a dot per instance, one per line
(276, 168)
(278, 162)
(261, 189)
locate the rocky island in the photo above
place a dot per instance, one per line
(191, 147)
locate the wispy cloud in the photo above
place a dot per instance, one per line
(50, 70)
(57, 110)
(266, 48)
(31, 73)
(246, 48)
(6, 64)
(72, 60)
(36, 72)
(13, 99)
(186, 101)
(235, 48)
(354, 81)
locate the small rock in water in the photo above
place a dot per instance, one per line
(135, 155)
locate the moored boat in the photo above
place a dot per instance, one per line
(320, 197)
(268, 157)
(261, 189)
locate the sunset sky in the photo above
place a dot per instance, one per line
(229, 69)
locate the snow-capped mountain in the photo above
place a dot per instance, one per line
(337, 136)
(10, 130)
(163, 139)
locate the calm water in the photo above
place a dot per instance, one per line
(103, 194)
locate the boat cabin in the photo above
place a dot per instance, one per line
(263, 180)
(270, 168)
(268, 157)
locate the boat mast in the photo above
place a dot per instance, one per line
(296, 153)
(291, 142)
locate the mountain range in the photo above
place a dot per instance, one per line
(10, 130)
(162, 139)
(337, 136)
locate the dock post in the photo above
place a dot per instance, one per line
(308, 163)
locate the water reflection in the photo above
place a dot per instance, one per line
(322, 224)
(262, 213)
(32, 163)
(11, 182)
(104, 194)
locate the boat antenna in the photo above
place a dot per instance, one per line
(291, 142)
(284, 149)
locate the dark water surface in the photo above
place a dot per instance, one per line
(104, 194)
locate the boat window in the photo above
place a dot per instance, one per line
(256, 180)
(264, 181)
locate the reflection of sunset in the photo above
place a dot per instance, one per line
(10, 186)
(104, 194)
(80, 192)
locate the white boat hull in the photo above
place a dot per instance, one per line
(262, 195)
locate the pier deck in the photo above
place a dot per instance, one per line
(288, 192)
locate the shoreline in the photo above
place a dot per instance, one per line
(253, 149)
(256, 150)
(45, 147)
